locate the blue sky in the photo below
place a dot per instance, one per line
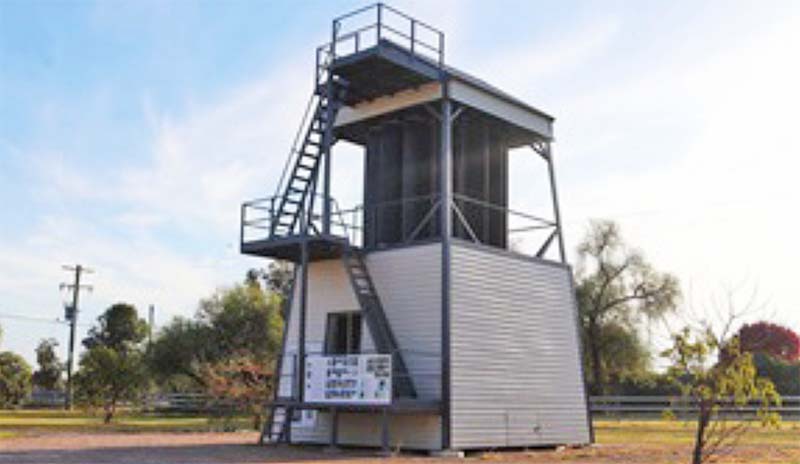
(131, 131)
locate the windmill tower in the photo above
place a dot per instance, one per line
(415, 319)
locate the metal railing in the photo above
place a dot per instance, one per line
(258, 215)
(368, 26)
(654, 406)
(412, 219)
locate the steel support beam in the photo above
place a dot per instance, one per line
(446, 228)
(548, 154)
(300, 371)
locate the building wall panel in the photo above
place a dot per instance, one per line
(516, 368)
(408, 281)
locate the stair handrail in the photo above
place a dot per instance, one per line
(295, 150)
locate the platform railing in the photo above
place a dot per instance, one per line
(413, 219)
(368, 26)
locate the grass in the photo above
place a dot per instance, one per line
(658, 432)
(17, 422)
(620, 441)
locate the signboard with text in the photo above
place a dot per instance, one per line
(352, 379)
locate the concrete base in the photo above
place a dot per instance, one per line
(446, 454)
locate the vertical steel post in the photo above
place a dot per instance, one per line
(385, 431)
(380, 22)
(446, 230)
(413, 34)
(554, 194)
(326, 190)
(301, 336)
(334, 428)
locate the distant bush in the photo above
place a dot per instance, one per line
(644, 384)
(784, 374)
(15, 379)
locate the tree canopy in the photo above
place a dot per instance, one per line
(112, 369)
(15, 379)
(243, 321)
(48, 375)
(772, 339)
(118, 328)
(616, 289)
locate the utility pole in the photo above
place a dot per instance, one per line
(151, 320)
(71, 315)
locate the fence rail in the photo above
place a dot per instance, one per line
(655, 405)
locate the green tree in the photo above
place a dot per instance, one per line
(112, 369)
(15, 379)
(118, 328)
(616, 288)
(709, 383)
(48, 375)
(178, 353)
(243, 318)
(107, 376)
(624, 358)
(242, 321)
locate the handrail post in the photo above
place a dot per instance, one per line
(242, 218)
(380, 21)
(334, 36)
(413, 34)
(441, 49)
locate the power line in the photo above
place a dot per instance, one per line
(23, 317)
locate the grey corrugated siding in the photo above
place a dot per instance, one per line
(408, 281)
(515, 362)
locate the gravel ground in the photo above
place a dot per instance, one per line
(240, 448)
(146, 448)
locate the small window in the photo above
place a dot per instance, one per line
(343, 333)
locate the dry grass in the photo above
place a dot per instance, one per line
(618, 442)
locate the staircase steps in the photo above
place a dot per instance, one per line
(378, 324)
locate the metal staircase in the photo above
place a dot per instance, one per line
(377, 322)
(297, 194)
(279, 418)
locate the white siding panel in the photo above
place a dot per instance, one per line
(515, 362)
(408, 281)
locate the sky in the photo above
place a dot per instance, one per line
(130, 133)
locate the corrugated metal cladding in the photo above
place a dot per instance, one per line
(408, 281)
(402, 178)
(515, 372)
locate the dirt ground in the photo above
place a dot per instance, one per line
(239, 448)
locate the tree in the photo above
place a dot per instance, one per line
(119, 328)
(112, 369)
(772, 339)
(107, 376)
(240, 321)
(784, 374)
(623, 356)
(48, 376)
(277, 277)
(616, 287)
(179, 351)
(15, 379)
(243, 379)
(243, 318)
(731, 380)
